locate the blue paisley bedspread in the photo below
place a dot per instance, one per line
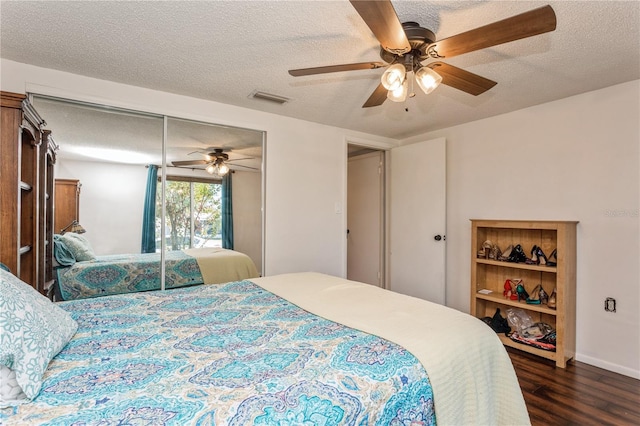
(127, 273)
(230, 354)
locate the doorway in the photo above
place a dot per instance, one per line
(365, 215)
(406, 241)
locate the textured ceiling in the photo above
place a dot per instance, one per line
(223, 51)
(93, 133)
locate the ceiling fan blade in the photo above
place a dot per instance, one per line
(534, 22)
(245, 167)
(382, 20)
(377, 97)
(239, 159)
(461, 79)
(337, 68)
(189, 163)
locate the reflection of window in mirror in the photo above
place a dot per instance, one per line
(193, 213)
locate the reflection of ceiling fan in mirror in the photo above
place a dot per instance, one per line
(216, 162)
(405, 46)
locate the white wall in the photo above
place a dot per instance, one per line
(574, 159)
(111, 203)
(305, 172)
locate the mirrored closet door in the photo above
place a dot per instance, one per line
(100, 184)
(213, 188)
(126, 204)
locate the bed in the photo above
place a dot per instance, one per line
(306, 348)
(126, 273)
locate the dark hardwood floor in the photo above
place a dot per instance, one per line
(578, 395)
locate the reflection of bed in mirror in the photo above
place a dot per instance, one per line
(108, 150)
(127, 273)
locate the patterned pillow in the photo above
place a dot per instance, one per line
(32, 331)
(79, 246)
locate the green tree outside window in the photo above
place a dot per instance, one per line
(186, 203)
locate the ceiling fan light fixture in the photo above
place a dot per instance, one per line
(211, 169)
(394, 76)
(428, 79)
(223, 169)
(399, 94)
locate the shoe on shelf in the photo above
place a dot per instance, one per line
(517, 255)
(521, 292)
(488, 251)
(544, 297)
(542, 259)
(534, 298)
(553, 258)
(495, 253)
(506, 254)
(508, 290)
(552, 299)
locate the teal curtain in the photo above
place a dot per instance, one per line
(227, 213)
(149, 213)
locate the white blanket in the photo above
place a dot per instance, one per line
(470, 371)
(218, 265)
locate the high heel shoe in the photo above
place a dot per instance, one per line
(534, 298)
(552, 299)
(544, 297)
(510, 290)
(505, 255)
(521, 292)
(542, 259)
(534, 255)
(553, 258)
(517, 255)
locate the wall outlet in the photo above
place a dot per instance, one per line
(610, 304)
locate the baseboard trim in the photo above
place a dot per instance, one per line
(625, 371)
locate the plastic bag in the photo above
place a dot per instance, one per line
(519, 319)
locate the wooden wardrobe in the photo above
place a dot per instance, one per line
(67, 203)
(27, 156)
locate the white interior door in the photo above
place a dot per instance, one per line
(365, 253)
(417, 213)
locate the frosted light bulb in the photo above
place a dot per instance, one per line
(393, 77)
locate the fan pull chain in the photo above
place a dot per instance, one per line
(412, 94)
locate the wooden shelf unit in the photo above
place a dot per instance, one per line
(491, 275)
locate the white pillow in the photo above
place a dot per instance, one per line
(32, 331)
(79, 246)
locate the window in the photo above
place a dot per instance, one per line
(192, 215)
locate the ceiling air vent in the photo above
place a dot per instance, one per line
(256, 94)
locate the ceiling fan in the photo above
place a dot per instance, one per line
(403, 48)
(217, 162)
